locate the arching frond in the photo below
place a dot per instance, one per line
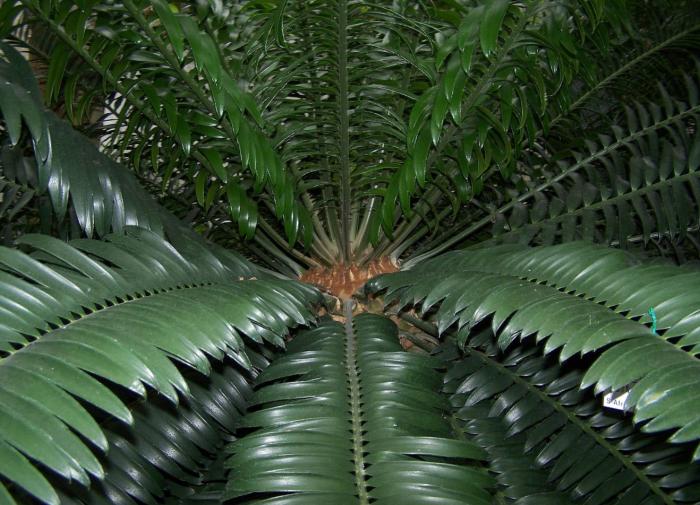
(102, 195)
(525, 409)
(582, 301)
(346, 417)
(162, 456)
(495, 81)
(206, 130)
(610, 196)
(121, 314)
(620, 187)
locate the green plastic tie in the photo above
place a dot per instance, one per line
(652, 313)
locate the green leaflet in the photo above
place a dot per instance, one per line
(491, 25)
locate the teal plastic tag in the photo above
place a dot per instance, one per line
(652, 314)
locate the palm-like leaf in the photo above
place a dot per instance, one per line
(345, 417)
(338, 78)
(496, 86)
(162, 455)
(72, 200)
(106, 308)
(208, 132)
(656, 188)
(491, 63)
(665, 39)
(578, 302)
(106, 198)
(621, 187)
(525, 408)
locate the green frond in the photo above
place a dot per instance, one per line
(654, 190)
(345, 417)
(495, 87)
(621, 186)
(581, 301)
(117, 313)
(338, 88)
(208, 131)
(104, 198)
(162, 457)
(663, 42)
(550, 442)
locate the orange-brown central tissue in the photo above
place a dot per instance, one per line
(342, 281)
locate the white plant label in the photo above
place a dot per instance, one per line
(615, 400)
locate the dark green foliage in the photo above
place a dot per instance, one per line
(578, 300)
(493, 82)
(123, 311)
(550, 442)
(101, 195)
(162, 456)
(358, 130)
(606, 195)
(634, 182)
(18, 189)
(325, 132)
(346, 417)
(404, 124)
(196, 125)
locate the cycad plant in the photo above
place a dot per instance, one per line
(515, 183)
